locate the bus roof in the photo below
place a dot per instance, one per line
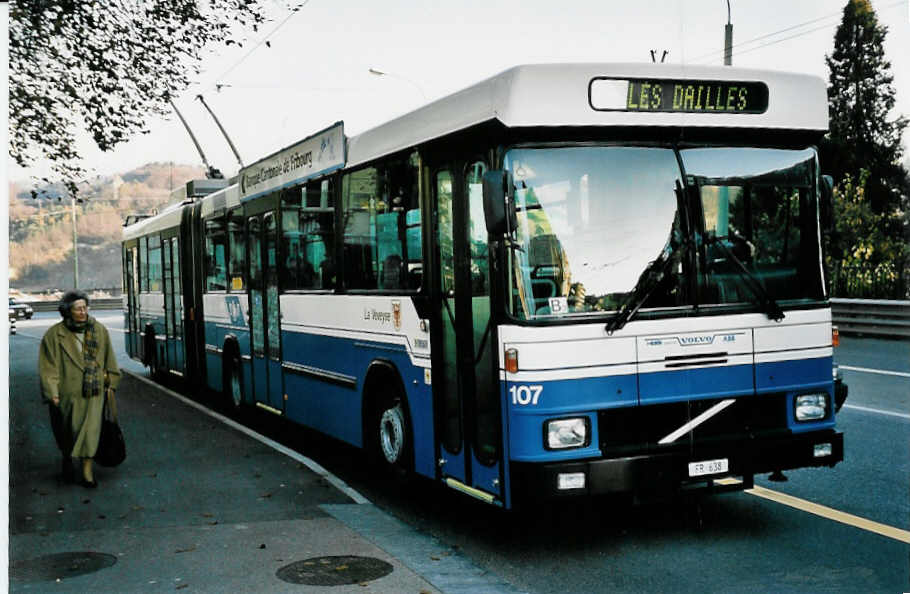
(166, 219)
(169, 218)
(565, 95)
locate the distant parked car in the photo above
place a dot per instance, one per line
(12, 321)
(22, 310)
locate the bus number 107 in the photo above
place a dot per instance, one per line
(524, 395)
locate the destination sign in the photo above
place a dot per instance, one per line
(682, 96)
(313, 156)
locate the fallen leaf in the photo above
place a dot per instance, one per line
(208, 515)
(341, 568)
(186, 550)
(182, 586)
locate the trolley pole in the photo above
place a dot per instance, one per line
(728, 39)
(75, 249)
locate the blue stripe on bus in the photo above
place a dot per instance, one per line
(695, 384)
(336, 410)
(585, 396)
(782, 376)
(559, 399)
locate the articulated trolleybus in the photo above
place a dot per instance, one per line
(570, 279)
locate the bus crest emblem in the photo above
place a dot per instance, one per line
(396, 314)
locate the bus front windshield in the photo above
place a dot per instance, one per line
(606, 228)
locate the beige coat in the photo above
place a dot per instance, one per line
(61, 365)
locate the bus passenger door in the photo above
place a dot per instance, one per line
(132, 288)
(467, 406)
(167, 285)
(264, 312)
(177, 360)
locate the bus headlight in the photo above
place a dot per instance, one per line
(811, 407)
(566, 433)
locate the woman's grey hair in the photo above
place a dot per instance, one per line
(68, 300)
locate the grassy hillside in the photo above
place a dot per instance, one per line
(41, 230)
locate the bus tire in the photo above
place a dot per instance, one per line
(231, 378)
(151, 353)
(389, 436)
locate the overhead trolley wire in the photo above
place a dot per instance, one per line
(719, 53)
(259, 44)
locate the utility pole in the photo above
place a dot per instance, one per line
(75, 249)
(728, 39)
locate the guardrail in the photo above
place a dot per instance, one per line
(875, 317)
(112, 303)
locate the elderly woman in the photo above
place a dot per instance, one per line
(76, 363)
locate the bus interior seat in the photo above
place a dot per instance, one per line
(391, 272)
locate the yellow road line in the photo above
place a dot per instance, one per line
(825, 512)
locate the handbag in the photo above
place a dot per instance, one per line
(111, 445)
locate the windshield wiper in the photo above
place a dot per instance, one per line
(654, 272)
(649, 280)
(771, 307)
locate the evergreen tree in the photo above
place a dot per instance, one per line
(860, 97)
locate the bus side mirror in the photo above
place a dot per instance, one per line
(498, 207)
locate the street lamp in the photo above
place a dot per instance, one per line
(378, 72)
(728, 39)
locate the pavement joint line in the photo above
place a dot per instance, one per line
(824, 511)
(878, 371)
(308, 462)
(878, 411)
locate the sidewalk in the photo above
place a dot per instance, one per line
(201, 506)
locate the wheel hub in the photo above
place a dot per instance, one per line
(391, 434)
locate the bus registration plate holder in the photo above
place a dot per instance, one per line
(707, 467)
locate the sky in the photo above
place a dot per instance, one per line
(315, 69)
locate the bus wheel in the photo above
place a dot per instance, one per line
(232, 388)
(392, 437)
(151, 354)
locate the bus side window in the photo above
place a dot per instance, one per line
(382, 242)
(144, 264)
(308, 236)
(237, 264)
(215, 254)
(154, 263)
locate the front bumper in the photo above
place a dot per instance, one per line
(663, 472)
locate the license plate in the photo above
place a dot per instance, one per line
(709, 467)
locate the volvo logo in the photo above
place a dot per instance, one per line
(694, 340)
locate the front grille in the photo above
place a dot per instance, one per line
(626, 431)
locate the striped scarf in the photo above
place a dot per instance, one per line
(91, 379)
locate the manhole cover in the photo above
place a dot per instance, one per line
(59, 566)
(334, 571)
